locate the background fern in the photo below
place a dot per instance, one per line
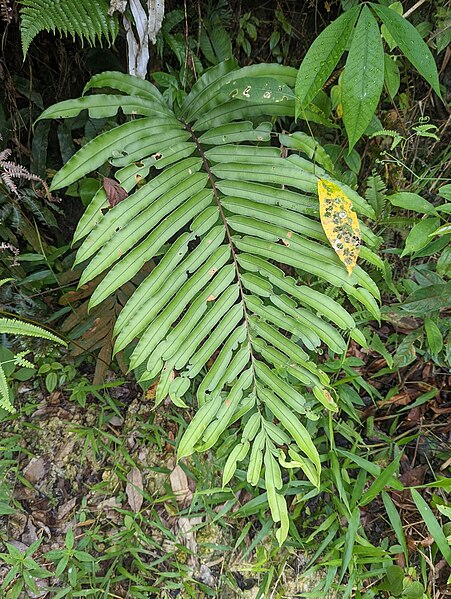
(228, 222)
(13, 326)
(86, 19)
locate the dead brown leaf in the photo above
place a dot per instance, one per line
(400, 399)
(36, 469)
(413, 477)
(65, 509)
(180, 487)
(115, 193)
(134, 489)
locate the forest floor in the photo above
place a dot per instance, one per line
(103, 468)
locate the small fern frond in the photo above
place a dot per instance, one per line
(85, 19)
(12, 326)
(236, 300)
(386, 132)
(20, 360)
(375, 193)
(5, 402)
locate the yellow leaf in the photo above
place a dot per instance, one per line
(339, 222)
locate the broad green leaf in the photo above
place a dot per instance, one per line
(207, 88)
(214, 108)
(410, 43)
(234, 153)
(428, 299)
(303, 463)
(392, 77)
(419, 236)
(274, 216)
(444, 262)
(225, 414)
(242, 110)
(215, 304)
(411, 201)
(307, 296)
(434, 336)
(159, 285)
(363, 77)
(269, 195)
(322, 57)
(128, 177)
(396, 6)
(282, 532)
(285, 391)
(445, 191)
(276, 433)
(173, 308)
(127, 234)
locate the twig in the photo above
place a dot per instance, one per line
(414, 7)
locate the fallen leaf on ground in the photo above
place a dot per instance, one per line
(36, 470)
(180, 487)
(134, 489)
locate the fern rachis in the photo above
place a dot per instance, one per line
(220, 212)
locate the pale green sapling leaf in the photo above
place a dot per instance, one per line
(363, 77)
(322, 57)
(410, 43)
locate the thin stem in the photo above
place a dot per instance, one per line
(413, 9)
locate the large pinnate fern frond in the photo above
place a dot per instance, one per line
(86, 19)
(237, 294)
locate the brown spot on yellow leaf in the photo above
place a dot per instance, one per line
(290, 234)
(339, 222)
(213, 271)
